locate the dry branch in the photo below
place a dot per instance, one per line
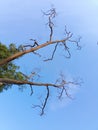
(61, 83)
(19, 54)
(18, 82)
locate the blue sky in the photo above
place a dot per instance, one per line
(22, 20)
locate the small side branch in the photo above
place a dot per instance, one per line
(53, 53)
(76, 42)
(31, 90)
(35, 43)
(66, 49)
(45, 102)
(64, 89)
(43, 105)
(51, 14)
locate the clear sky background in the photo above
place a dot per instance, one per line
(21, 20)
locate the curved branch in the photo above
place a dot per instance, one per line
(43, 105)
(19, 54)
(46, 100)
(53, 53)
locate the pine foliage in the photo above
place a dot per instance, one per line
(9, 70)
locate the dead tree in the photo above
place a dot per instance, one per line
(60, 84)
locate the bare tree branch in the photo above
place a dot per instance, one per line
(76, 42)
(53, 53)
(19, 54)
(51, 14)
(31, 90)
(67, 49)
(43, 105)
(18, 82)
(64, 89)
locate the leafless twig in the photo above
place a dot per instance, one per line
(53, 53)
(43, 105)
(36, 53)
(76, 42)
(64, 89)
(31, 90)
(65, 86)
(51, 14)
(35, 43)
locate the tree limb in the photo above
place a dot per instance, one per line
(43, 105)
(18, 82)
(19, 54)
